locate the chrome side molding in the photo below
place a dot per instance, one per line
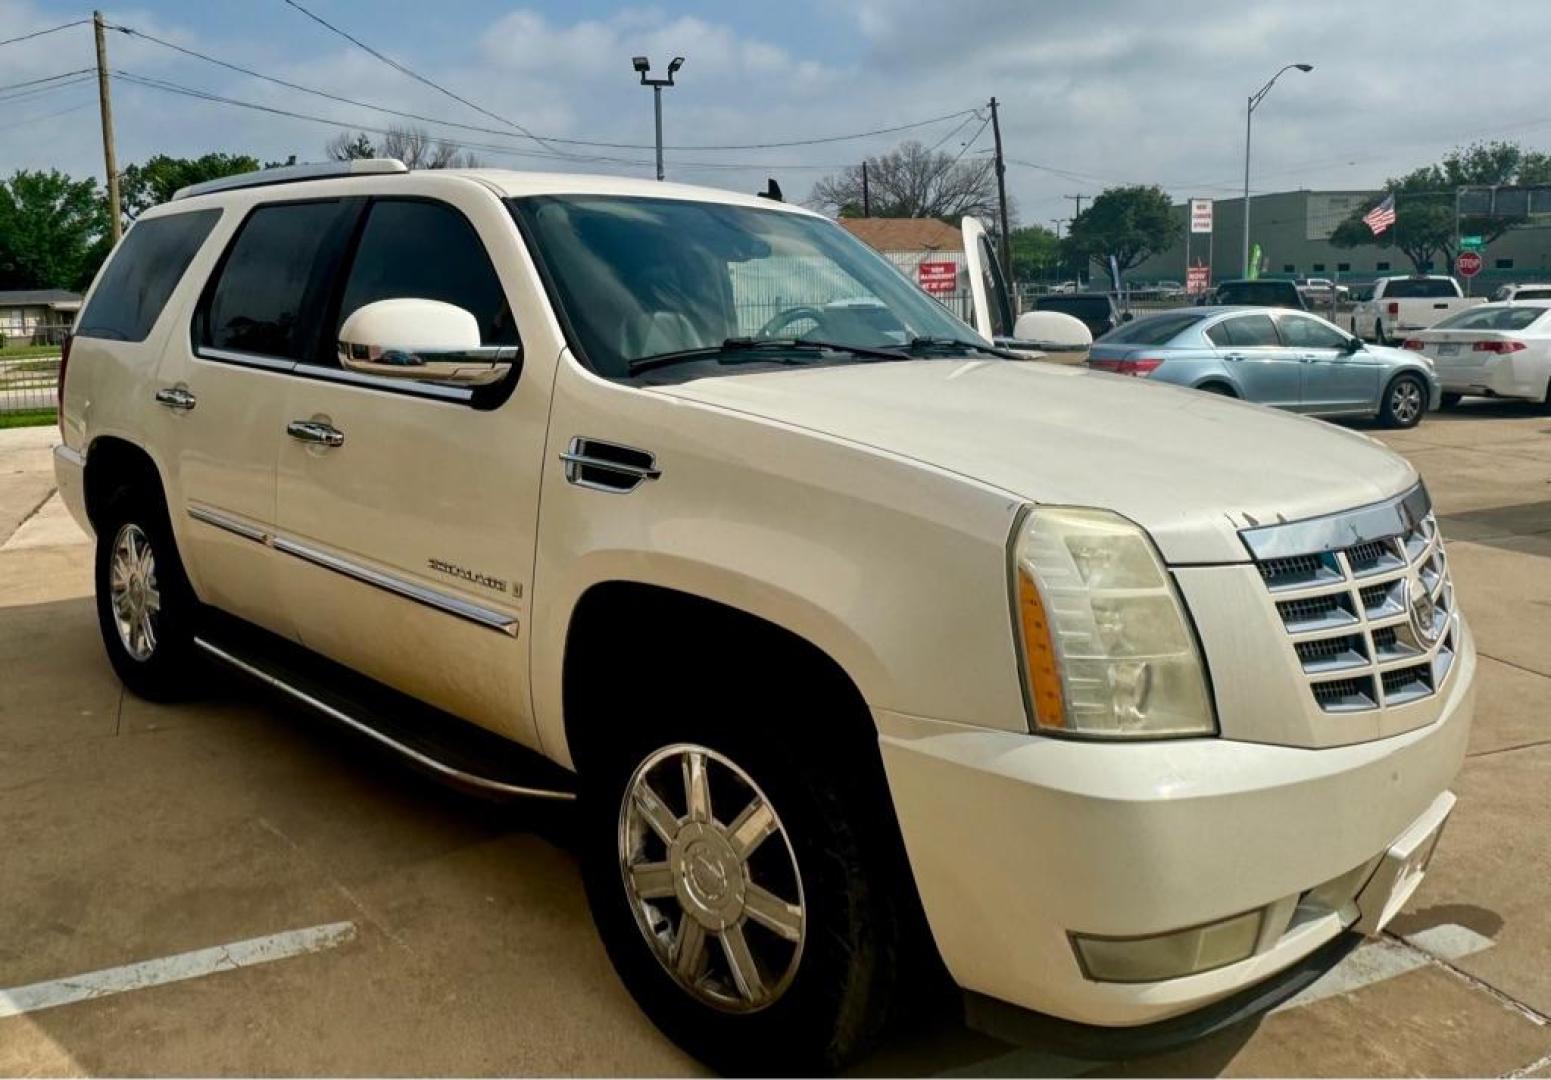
(439, 767)
(488, 617)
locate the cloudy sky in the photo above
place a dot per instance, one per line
(1094, 92)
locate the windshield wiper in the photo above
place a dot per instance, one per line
(751, 344)
(922, 344)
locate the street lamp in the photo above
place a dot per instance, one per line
(642, 65)
(1249, 115)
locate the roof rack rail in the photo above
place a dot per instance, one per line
(291, 174)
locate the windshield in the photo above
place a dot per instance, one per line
(1081, 307)
(644, 277)
(1492, 318)
(1155, 329)
(1419, 288)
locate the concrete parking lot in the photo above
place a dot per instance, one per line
(234, 887)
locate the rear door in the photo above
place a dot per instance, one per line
(1334, 377)
(1253, 354)
(222, 385)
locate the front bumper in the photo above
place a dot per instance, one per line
(1016, 842)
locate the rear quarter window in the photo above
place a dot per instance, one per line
(1154, 330)
(142, 274)
(1419, 289)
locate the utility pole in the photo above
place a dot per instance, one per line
(1001, 193)
(1077, 209)
(109, 155)
(866, 192)
(1057, 223)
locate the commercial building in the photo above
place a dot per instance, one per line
(1293, 230)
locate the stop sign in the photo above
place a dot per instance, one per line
(1468, 264)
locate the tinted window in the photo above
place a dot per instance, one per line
(1081, 307)
(1419, 288)
(258, 305)
(428, 251)
(1304, 333)
(1154, 330)
(1245, 332)
(144, 270)
(1259, 293)
(996, 292)
(1492, 318)
(1533, 294)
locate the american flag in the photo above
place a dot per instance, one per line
(1381, 217)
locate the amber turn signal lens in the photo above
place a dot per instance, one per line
(1039, 656)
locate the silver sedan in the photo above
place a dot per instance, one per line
(1289, 359)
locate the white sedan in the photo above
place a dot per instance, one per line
(1496, 350)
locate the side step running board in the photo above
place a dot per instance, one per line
(450, 748)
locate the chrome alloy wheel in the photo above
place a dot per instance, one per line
(1405, 401)
(709, 890)
(132, 588)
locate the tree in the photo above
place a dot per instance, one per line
(1035, 253)
(1130, 223)
(414, 146)
(144, 186)
(53, 231)
(912, 181)
(1425, 202)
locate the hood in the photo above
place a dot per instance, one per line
(1189, 467)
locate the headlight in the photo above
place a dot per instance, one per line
(1107, 649)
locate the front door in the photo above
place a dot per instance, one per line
(1252, 353)
(1336, 377)
(409, 509)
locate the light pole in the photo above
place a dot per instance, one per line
(1249, 115)
(643, 65)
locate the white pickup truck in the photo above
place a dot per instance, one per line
(1400, 305)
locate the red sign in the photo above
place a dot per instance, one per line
(1197, 279)
(937, 277)
(1468, 264)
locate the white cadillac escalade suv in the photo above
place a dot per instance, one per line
(857, 639)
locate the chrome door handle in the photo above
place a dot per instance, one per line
(315, 431)
(175, 397)
(1233, 356)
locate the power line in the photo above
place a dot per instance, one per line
(395, 65)
(44, 91)
(40, 33)
(600, 144)
(47, 116)
(494, 148)
(44, 79)
(981, 130)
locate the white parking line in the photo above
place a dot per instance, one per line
(170, 969)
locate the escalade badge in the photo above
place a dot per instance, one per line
(1424, 621)
(474, 577)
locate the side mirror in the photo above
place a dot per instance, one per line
(1126, 316)
(422, 341)
(1353, 345)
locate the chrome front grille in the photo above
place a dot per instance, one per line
(1366, 601)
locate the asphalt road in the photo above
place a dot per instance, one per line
(234, 887)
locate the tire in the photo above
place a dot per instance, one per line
(1545, 399)
(1378, 334)
(145, 607)
(1405, 402)
(1450, 400)
(819, 1001)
